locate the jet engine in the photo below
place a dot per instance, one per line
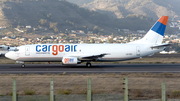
(70, 60)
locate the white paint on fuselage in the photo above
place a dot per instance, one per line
(116, 52)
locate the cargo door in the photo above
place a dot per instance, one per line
(138, 51)
(27, 51)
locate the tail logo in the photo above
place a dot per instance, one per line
(160, 25)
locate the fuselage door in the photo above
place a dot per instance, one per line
(138, 51)
(27, 50)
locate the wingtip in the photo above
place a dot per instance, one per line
(163, 20)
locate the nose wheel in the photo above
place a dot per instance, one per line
(88, 64)
(23, 65)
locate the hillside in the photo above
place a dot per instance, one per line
(59, 16)
(53, 14)
(122, 8)
(80, 2)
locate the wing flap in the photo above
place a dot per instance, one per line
(162, 45)
(92, 57)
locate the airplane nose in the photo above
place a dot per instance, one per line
(10, 55)
(7, 55)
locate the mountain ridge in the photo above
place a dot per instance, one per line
(122, 8)
(62, 16)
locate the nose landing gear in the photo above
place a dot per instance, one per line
(23, 65)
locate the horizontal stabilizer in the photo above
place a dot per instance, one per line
(162, 45)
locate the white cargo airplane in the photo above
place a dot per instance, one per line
(73, 54)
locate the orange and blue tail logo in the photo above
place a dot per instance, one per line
(160, 25)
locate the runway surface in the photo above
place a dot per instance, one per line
(97, 68)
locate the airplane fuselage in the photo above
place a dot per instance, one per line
(55, 52)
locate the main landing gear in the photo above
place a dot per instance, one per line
(88, 64)
(23, 65)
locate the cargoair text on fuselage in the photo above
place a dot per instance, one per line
(77, 53)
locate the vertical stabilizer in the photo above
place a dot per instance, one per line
(156, 33)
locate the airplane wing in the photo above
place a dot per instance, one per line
(92, 57)
(162, 45)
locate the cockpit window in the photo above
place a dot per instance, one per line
(16, 49)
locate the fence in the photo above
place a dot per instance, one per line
(124, 90)
(52, 97)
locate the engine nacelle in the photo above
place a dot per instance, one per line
(69, 60)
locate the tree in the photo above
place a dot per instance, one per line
(98, 34)
(43, 21)
(95, 29)
(110, 40)
(92, 41)
(54, 26)
(49, 16)
(18, 26)
(56, 29)
(45, 37)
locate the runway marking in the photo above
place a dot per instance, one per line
(4, 67)
(90, 71)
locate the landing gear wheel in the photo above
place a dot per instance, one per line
(23, 65)
(88, 64)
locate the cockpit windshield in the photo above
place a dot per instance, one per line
(16, 49)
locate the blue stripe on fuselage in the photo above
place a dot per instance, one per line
(159, 28)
